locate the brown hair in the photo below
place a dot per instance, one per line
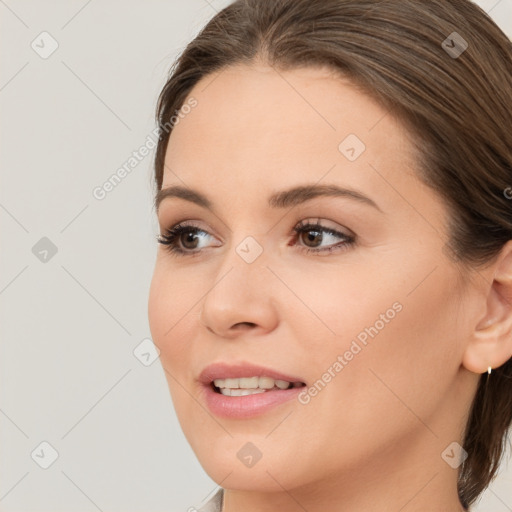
(458, 106)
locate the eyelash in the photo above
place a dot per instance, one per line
(172, 236)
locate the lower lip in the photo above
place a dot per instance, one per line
(249, 405)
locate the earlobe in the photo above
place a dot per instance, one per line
(491, 342)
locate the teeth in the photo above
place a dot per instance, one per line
(282, 384)
(240, 392)
(232, 383)
(266, 383)
(247, 382)
(258, 384)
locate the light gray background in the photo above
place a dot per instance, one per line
(70, 325)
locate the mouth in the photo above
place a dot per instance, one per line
(243, 386)
(244, 390)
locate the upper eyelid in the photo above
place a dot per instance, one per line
(191, 224)
(317, 199)
(302, 225)
(307, 221)
(320, 221)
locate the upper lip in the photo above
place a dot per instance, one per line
(222, 370)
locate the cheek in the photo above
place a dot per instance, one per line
(375, 338)
(405, 364)
(170, 307)
(335, 305)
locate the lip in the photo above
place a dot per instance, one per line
(249, 405)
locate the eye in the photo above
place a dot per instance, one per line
(188, 235)
(317, 234)
(185, 239)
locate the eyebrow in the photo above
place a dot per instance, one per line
(283, 199)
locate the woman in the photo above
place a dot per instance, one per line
(332, 296)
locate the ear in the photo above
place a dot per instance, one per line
(491, 339)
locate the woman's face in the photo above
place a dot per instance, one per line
(364, 309)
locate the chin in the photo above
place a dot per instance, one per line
(242, 462)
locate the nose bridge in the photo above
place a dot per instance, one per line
(241, 291)
(243, 270)
(248, 252)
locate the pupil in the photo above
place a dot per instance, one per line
(190, 237)
(317, 235)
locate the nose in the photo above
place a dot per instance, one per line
(241, 299)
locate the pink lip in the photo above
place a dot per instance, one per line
(249, 405)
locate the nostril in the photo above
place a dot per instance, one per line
(245, 324)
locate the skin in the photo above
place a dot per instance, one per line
(372, 439)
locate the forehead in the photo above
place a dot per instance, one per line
(256, 127)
